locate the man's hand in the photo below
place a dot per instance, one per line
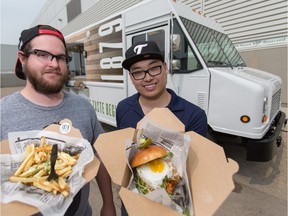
(108, 210)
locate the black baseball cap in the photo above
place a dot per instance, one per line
(141, 51)
(27, 35)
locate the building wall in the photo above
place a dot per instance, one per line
(8, 57)
(247, 21)
(55, 13)
(272, 60)
(8, 60)
(10, 80)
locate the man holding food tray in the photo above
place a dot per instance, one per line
(42, 62)
(148, 73)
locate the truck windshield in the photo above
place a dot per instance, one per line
(215, 47)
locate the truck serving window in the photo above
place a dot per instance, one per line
(77, 66)
(215, 47)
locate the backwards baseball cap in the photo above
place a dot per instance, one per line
(141, 51)
(27, 35)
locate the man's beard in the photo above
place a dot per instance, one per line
(41, 85)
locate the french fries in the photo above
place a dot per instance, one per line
(35, 168)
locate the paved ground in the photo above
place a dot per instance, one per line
(261, 188)
(96, 200)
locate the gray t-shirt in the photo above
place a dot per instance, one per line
(19, 114)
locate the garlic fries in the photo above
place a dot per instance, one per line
(35, 168)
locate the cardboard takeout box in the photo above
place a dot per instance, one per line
(209, 172)
(91, 169)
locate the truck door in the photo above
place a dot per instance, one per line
(189, 75)
(161, 36)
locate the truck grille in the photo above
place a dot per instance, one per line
(275, 107)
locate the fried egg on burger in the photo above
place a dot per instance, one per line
(153, 170)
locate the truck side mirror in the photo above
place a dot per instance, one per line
(176, 39)
(176, 64)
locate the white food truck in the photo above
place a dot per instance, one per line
(242, 104)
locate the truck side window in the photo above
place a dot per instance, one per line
(77, 66)
(215, 47)
(158, 36)
(183, 58)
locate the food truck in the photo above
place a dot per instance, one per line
(242, 103)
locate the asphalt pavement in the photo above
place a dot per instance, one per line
(261, 187)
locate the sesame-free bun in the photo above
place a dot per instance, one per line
(144, 156)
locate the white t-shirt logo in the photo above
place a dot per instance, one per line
(138, 49)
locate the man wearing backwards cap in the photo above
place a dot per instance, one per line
(42, 62)
(148, 73)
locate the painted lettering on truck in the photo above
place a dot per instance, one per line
(104, 108)
(106, 30)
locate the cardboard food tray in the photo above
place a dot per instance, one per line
(18, 208)
(209, 172)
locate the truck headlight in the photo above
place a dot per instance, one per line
(265, 105)
(265, 109)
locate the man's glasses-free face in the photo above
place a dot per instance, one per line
(154, 71)
(46, 57)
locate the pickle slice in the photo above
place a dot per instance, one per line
(145, 143)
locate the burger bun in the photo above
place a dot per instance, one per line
(150, 153)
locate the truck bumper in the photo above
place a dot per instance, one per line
(264, 149)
